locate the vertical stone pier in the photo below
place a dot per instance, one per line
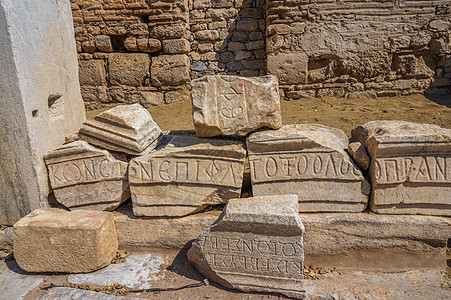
(40, 101)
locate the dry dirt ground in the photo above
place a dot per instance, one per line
(342, 113)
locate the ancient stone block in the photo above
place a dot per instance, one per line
(55, 240)
(103, 43)
(410, 166)
(84, 177)
(125, 128)
(149, 99)
(40, 98)
(206, 35)
(310, 161)
(227, 105)
(170, 69)
(187, 175)
(148, 45)
(173, 31)
(92, 72)
(240, 251)
(130, 44)
(352, 240)
(128, 68)
(289, 68)
(182, 94)
(176, 46)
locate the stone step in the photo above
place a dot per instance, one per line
(347, 240)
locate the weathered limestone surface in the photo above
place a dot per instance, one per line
(55, 240)
(353, 240)
(6, 239)
(125, 128)
(75, 294)
(227, 105)
(255, 245)
(14, 285)
(40, 98)
(308, 160)
(85, 177)
(167, 233)
(345, 49)
(359, 154)
(187, 175)
(410, 167)
(368, 240)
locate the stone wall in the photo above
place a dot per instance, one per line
(228, 37)
(340, 48)
(121, 42)
(147, 51)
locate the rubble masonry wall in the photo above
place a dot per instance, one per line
(147, 51)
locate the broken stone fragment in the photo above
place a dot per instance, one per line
(186, 176)
(128, 129)
(228, 105)
(255, 245)
(310, 161)
(85, 177)
(56, 240)
(359, 154)
(410, 167)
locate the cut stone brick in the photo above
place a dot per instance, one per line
(310, 161)
(55, 240)
(187, 175)
(255, 245)
(84, 177)
(128, 68)
(170, 69)
(410, 167)
(228, 105)
(125, 128)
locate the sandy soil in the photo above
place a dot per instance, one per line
(343, 113)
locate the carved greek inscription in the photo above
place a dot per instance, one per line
(85, 170)
(302, 166)
(95, 191)
(269, 255)
(203, 171)
(428, 169)
(231, 102)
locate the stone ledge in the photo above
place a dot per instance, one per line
(345, 240)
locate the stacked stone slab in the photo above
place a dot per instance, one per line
(186, 175)
(308, 160)
(128, 129)
(410, 167)
(255, 245)
(55, 240)
(228, 105)
(83, 176)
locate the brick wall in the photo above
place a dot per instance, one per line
(227, 37)
(147, 51)
(122, 42)
(344, 48)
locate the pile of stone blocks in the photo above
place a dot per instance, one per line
(300, 168)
